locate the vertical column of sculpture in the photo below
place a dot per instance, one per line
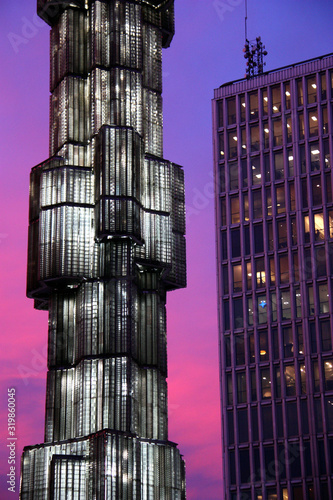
(106, 243)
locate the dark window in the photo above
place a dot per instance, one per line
(243, 433)
(329, 412)
(220, 113)
(258, 238)
(254, 427)
(292, 420)
(235, 243)
(325, 334)
(247, 240)
(224, 245)
(294, 460)
(267, 422)
(227, 347)
(321, 457)
(288, 342)
(318, 415)
(279, 421)
(238, 313)
(244, 459)
(320, 256)
(231, 107)
(232, 467)
(270, 463)
(304, 415)
(241, 387)
(231, 437)
(307, 458)
(226, 315)
(240, 349)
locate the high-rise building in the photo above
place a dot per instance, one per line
(106, 243)
(274, 228)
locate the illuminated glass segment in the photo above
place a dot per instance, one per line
(106, 243)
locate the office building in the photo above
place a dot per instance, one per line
(274, 229)
(106, 244)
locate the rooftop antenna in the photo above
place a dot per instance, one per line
(254, 52)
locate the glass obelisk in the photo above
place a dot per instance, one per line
(106, 243)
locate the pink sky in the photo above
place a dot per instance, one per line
(206, 51)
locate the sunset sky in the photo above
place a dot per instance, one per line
(206, 52)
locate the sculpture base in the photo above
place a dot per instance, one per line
(107, 465)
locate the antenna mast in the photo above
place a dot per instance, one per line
(254, 52)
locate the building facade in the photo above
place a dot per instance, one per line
(106, 244)
(274, 228)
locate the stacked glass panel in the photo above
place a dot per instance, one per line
(106, 243)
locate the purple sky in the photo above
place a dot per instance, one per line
(206, 52)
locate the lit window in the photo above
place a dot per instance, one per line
(249, 275)
(314, 156)
(303, 378)
(266, 384)
(313, 123)
(237, 277)
(284, 269)
(285, 305)
(260, 273)
(221, 146)
(246, 207)
(324, 306)
(328, 373)
(280, 200)
(290, 157)
(269, 207)
(312, 90)
(264, 102)
(255, 167)
(263, 345)
(316, 191)
(234, 209)
(243, 143)
(262, 309)
(299, 93)
(242, 108)
(232, 142)
(289, 129)
(290, 380)
(253, 105)
(319, 226)
(276, 99)
(266, 135)
(325, 119)
(287, 95)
